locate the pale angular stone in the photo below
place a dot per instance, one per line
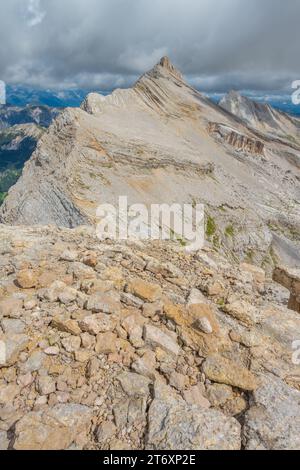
(258, 274)
(71, 344)
(4, 442)
(52, 351)
(8, 393)
(25, 380)
(11, 347)
(106, 343)
(52, 293)
(145, 365)
(131, 300)
(194, 396)
(153, 309)
(221, 370)
(105, 303)
(178, 381)
(100, 323)
(27, 278)
(219, 394)
(133, 326)
(12, 326)
(82, 356)
(244, 312)
(54, 429)
(144, 290)
(67, 326)
(45, 385)
(167, 270)
(157, 338)
(30, 304)
(67, 296)
(134, 385)
(34, 362)
(10, 306)
(196, 297)
(80, 271)
(69, 255)
(204, 325)
(105, 431)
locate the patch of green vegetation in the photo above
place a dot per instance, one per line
(175, 237)
(292, 139)
(2, 197)
(8, 178)
(221, 302)
(211, 227)
(229, 231)
(216, 242)
(250, 256)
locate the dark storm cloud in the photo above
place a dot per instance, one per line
(218, 44)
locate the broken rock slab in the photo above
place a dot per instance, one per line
(54, 429)
(273, 421)
(157, 338)
(179, 426)
(224, 371)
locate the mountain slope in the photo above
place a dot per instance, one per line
(262, 117)
(163, 142)
(17, 143)
(39, 115)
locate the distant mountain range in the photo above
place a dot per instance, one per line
(18, 95)
(281, 102)
(15, 115)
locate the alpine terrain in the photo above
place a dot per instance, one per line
(117, 345)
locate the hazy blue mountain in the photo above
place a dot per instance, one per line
(22, 96)
(39, 115)
(282, 102)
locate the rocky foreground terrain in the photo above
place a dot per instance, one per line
(140, 345)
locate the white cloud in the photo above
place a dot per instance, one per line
(2, 93)
(35, 15)
(217, 44)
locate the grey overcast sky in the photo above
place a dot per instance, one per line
(217, 44)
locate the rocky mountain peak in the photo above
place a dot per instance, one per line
(166, 67)
(261, 116)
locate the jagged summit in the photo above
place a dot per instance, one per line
(166, 63)
(260, 116)
(164, 68)
(247, 109)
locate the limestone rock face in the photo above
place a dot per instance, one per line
(53, 430)
(163, 142)
(239, 142)
(178, 426)
(273, 421)
(289, 278)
